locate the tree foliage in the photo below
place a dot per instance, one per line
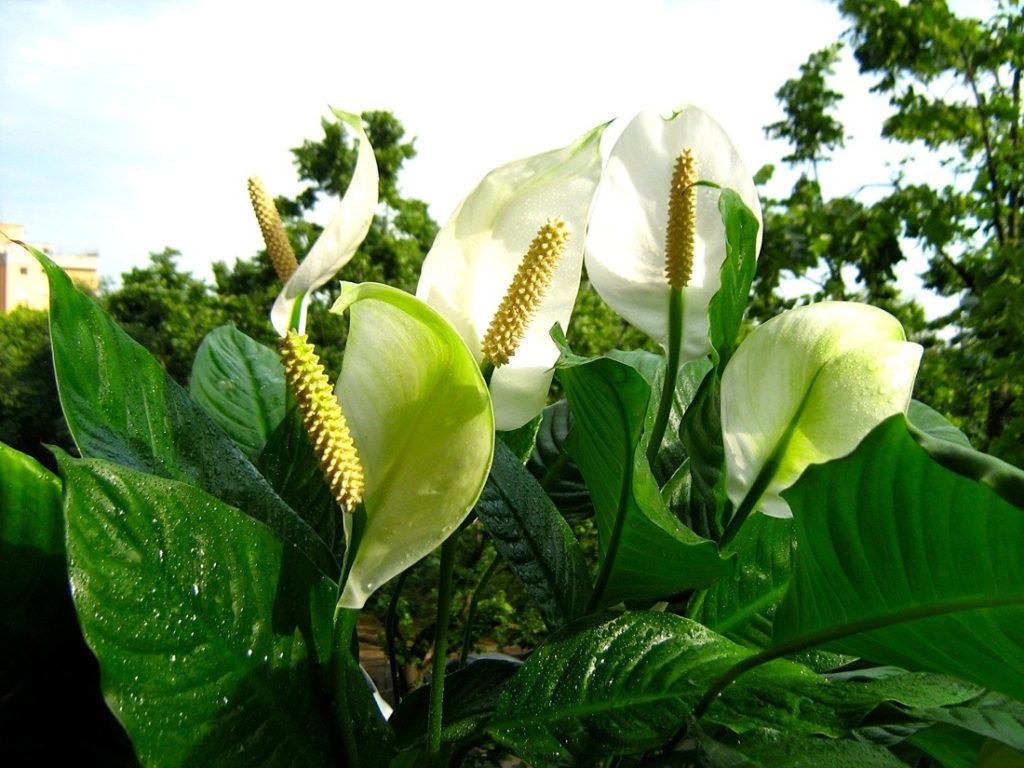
(953, 85)
(30, 414)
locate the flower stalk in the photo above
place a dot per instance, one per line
(680, 243)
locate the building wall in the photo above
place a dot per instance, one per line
(23, 282)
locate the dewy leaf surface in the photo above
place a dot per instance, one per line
(725, 311)
(741, 606)
(658, 555)
(240, 384)
(625, 683)
(122, 406)
(205, 624)
(539, 545)
(904, 562)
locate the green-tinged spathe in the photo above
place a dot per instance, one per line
(421, 418)
(805, 388)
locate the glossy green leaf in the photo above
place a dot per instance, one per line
(928, 575)
(952, 747)
(622, 684)
(120, 405)
(422, 420)
(657, 555)
(240, 384)
(725, 312)
(741, 606)
(209, 630)
(537, 542)
(769, 749)
(933, 423)
(470, 697)
(290, 465)
(993, 716)
(700, 432)
(41, 646)
(672, 454)
(554, 468)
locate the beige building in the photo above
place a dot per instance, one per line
(23, 282)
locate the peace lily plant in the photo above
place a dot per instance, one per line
(220, 542)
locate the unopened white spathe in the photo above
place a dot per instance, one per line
(625, 253)
(806, 387)
(340, 239)
(475, 257)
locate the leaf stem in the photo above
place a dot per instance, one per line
(390, 631)
(467, 635)
(675, 344)
(343, 634)
(608, 562)
(444, 607)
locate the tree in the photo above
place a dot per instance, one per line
(30, 414)
(166, 310)
(954, 86)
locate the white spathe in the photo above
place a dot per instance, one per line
(625, 252)
(340, 239)
(805, 388)
(471, 264)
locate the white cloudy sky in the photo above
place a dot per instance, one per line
(130, 125)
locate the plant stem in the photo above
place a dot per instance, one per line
(608, 563)
(341, 642)
(390, 630)
(471, 613)
(675, 344)
(444, 607)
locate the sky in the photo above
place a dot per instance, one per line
(130, 125)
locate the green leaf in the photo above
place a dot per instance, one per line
(41, 646)
(741, 606)
(369, 740)
(993, 716)
(952, 747)
(554, 468)
(1003, 478)
(626, 683)
(700, 432)
(933, 423)
(240, 384)
(768, 749)
(928, 575)
(726, 309)
(470, 697)
(121, 406)
(290, 465)
(521, 441)
(539, 545)
(657, 555)
(31, 508)
(209, 630)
